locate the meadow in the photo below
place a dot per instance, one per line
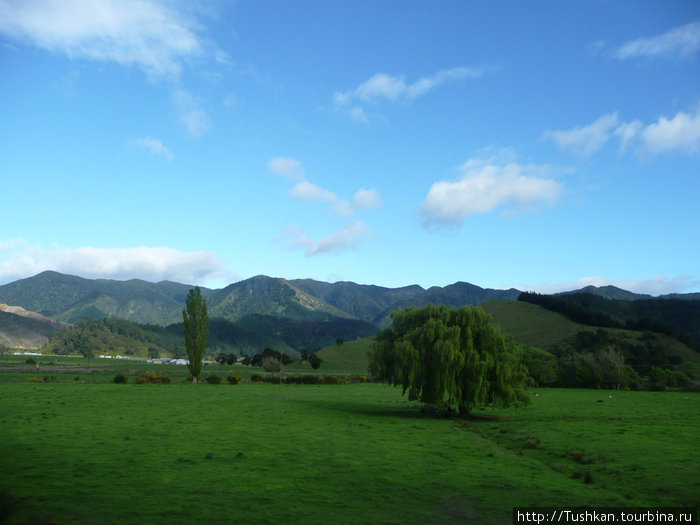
(83, 450)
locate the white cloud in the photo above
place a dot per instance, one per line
(682, 132)
(345, 239)
(393, 88)
(230, 101)
(357, 114)
(149, 34)
(366, 199)
(19, 259)
(156, 36)
(659, 285)
(307, 192)
(195, 120)
(585, 140)
(385, 87)
(153, 146)
(680, 41)
(627, 132)
(287, 167)
(482, 188)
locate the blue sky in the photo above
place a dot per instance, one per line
(541, 145)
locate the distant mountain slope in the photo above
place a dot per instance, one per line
(264, 295)
(613, 292)
(366, 302)
(301, 313)
(374, 304)
(68, 298)
(17, 331)
(610, 292)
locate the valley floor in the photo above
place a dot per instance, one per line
(355, 453)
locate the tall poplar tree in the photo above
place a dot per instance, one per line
(196, 321)
(450, 357)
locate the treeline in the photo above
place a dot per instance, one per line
(674, 317)
(600, 360)
(114, 337)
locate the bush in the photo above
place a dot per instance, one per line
(256, 378)
(30, 361)
(233, 380)
(153, 378)
(120, 379)
(32, 379)
(359, 379)
(213, 379)
(334, 380)
(304, 379)
(271, 364)
(49, 379)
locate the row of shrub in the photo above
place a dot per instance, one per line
(216, 380)
(47, 379)
(121, 379)
(213, 379)
(308, 379)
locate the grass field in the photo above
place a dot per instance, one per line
(358, 453)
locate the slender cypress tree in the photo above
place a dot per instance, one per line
(196, 321)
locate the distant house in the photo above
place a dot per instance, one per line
(179, 362)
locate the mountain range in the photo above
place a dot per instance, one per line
(301, 313)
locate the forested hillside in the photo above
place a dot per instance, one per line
(675, 317)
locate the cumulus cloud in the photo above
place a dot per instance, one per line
(585, 140)
(152, 35)
(385, 87)
(366, 199)
(287, 167)
(195, 120)
(483, 187)
(393, 88)
(681, 132)
(344, 239)
(149, 34)
(658, 285)
(678, 134)
(153, 146)
(308, 192)
(680, 42)
(19, 259)
(357, 114)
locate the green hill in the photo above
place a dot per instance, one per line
(350, 357)
(531, 324)
(564, 339)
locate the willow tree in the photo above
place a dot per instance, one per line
(450, 357)
(196, 330)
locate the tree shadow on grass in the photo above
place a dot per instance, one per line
(402, 410)
(398, 410)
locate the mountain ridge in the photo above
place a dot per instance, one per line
(63, 298)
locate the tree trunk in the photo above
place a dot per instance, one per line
(194, 380)
(463, 411)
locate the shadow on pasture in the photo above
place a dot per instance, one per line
(363, 408)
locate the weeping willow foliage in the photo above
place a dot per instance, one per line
(196, 321)
(450, 357)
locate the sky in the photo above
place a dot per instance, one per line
(543, 145)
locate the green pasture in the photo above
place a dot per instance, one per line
(357, 453)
